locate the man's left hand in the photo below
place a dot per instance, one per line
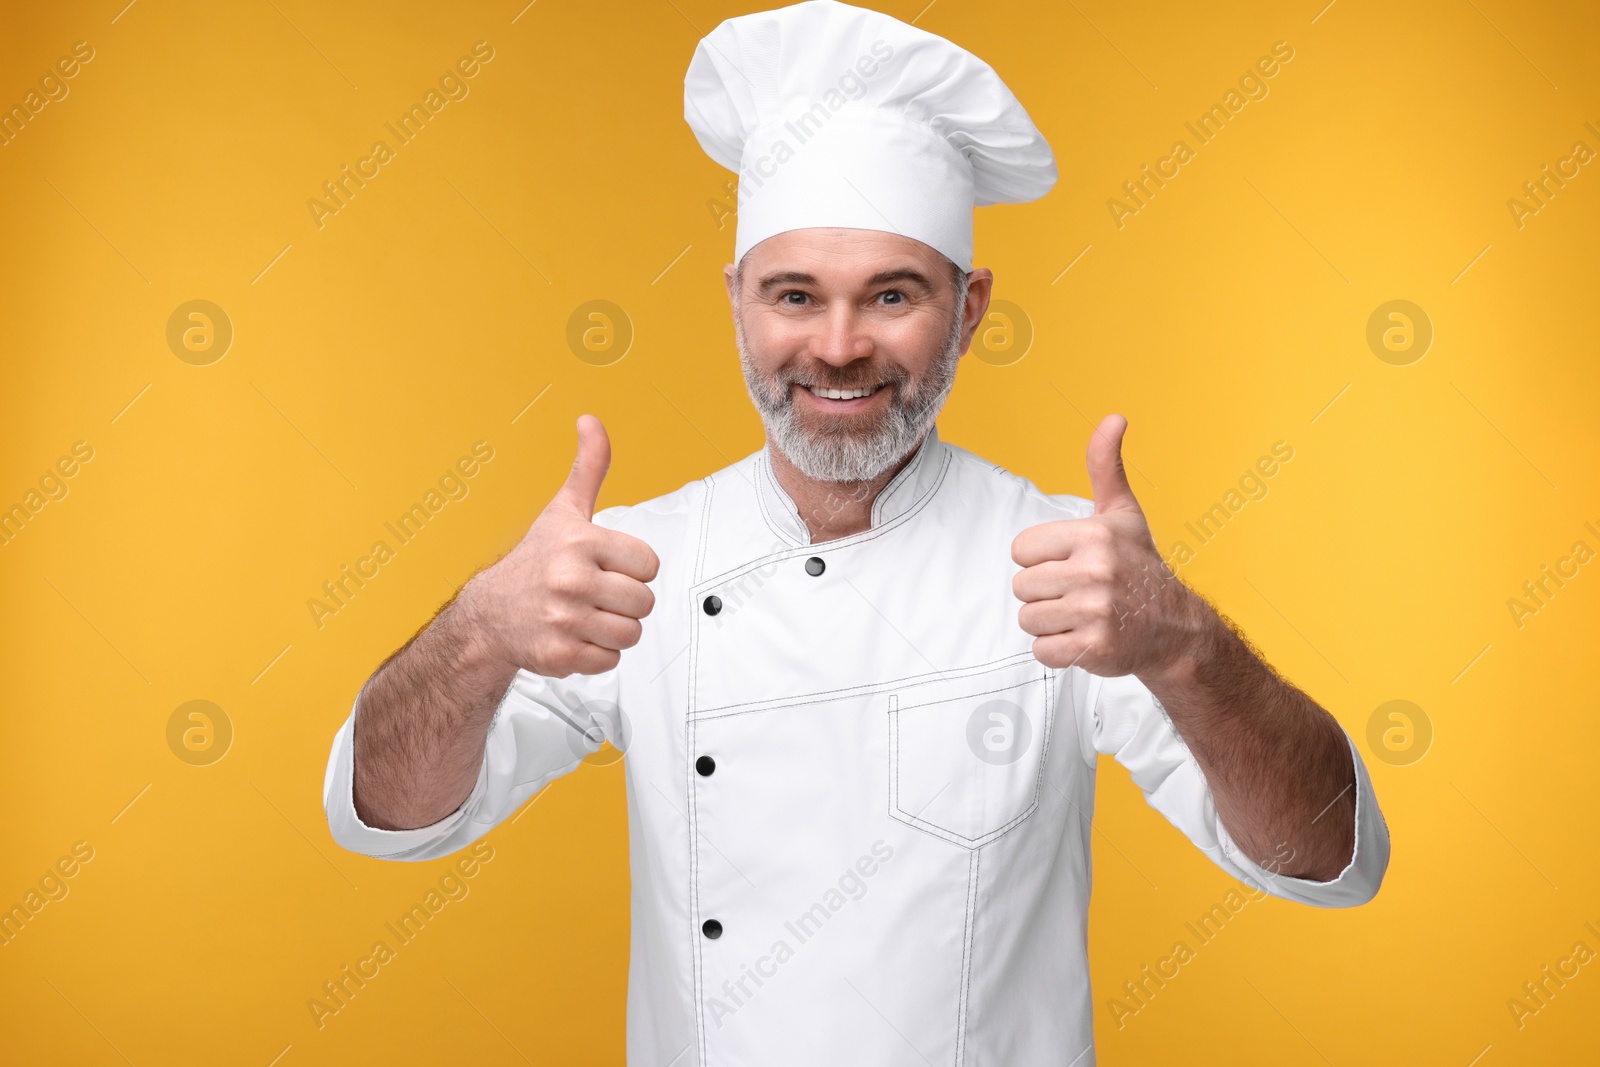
(1095, 591)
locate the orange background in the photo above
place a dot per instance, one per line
(431, 312)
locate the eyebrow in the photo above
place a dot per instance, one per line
(795, 277)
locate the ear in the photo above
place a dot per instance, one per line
(980, 286)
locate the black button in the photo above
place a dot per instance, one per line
(713, 604)
(711, 928)
(705, 765)
(814, 566)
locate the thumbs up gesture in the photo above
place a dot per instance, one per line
(568, 598)
(1095, 591)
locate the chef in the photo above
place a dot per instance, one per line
(862, 676)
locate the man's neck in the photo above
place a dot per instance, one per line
(832, 510)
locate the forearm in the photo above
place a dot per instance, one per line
(423, 718)
(1278, 765)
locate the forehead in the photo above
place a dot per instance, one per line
(841, 256)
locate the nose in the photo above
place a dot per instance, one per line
(841, 339)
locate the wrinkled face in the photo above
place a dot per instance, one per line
(849, 341)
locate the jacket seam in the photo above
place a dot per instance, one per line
(689, 786)
(764, 476)
(864, 689)
(843, 542)
(943, 833)
(900, 481)
(968, 939)
(705, 525)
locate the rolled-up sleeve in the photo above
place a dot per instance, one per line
(1125, 721)
(542, 729)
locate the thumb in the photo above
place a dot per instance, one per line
(1107, 479)
(582, 486)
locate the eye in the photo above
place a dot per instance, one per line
(897, 294)
(795, 303)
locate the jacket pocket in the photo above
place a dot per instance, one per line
(967, 752)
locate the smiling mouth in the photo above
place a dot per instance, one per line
(842, 394)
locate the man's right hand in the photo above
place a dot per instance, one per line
(568, 598)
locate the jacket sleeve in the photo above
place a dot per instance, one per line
(1125, 721)
(542, 729)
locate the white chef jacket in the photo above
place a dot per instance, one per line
(892, 847)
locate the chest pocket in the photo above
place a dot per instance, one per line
(967, 752)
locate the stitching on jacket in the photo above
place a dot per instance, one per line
(964, 696)
(1049, 731)
(772, 521)
(689, 800)
(784, 703)
(843, 542)
(1172, 726)
(893, 719)
(705, 526)
(968, 938)
(764, 474)
(692, 717)
(1083, 720)
(901, 479)
(898, 814)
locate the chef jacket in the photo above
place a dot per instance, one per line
(859, 808)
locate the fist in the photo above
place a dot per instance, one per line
(570, 596)
(1095, 591)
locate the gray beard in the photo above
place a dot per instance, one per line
(833, 452)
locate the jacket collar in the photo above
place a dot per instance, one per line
(905, 490)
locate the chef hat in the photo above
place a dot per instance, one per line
(835, 115)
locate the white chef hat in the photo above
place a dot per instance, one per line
(835, 115)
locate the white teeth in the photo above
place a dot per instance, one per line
(843, 394)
